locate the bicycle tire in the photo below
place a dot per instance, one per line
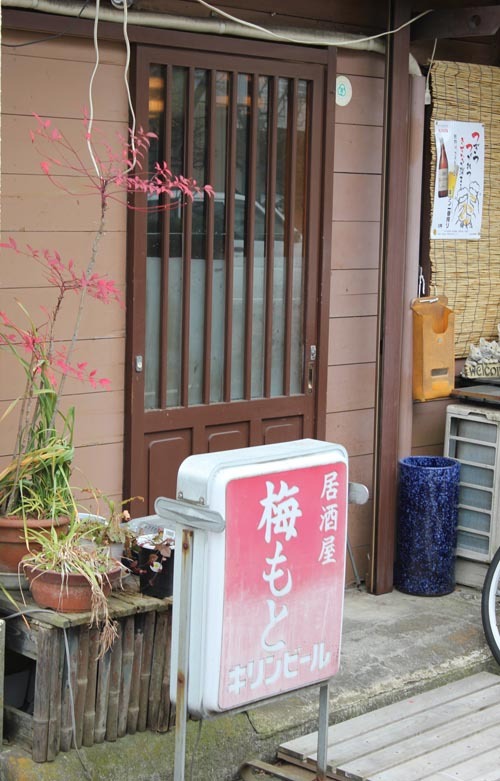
(489, 615)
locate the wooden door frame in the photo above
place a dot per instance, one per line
(134, 456)
(391, 313)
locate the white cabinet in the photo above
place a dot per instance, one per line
(473, 438)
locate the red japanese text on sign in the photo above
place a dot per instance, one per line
(284, 583)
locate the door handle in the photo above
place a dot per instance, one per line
(311, 375)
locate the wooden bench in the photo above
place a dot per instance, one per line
(126, 691)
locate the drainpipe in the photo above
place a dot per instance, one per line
(413, 213)
(210, 25)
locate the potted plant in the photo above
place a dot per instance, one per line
(113, 532)
(71, 578)
(35, 490)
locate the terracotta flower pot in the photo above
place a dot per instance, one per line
(12, 543)
(71, 596)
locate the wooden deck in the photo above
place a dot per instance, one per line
(449, 733)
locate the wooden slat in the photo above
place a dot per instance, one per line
(98, 321)
(90, 696)
(80, 693)
(165, 711)
(69, 680)
(165, 239)
(420, 748)
(358, 149)
(157, 669)
(351, 387)
(360, 63)
(44, 203)
(38, 95)
(359, 726)
(250, 231)
(444, 724)
(353, 292)
(210, 205)
(187, 244)
(355, 429)
(367, 104)
(357, 197)
(355, 245)
(269, 249)
(115, 676)
(128, 647)
(147, 653)
(290, 179)
(449, 732)
(229, 247)
(352, 340)
(19, 271)
(62, 48)
(101, 708)
(56, 677)
(99, 419)
(467, 753)
(133, 704)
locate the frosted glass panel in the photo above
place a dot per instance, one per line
(154, 251)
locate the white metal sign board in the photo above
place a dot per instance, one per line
(267, 592)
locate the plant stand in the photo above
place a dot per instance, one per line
(126, 691)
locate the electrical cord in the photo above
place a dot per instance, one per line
(91, 84)
(428, 77)
(127, 87)
(289, 39)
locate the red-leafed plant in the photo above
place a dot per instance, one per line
(36, 483)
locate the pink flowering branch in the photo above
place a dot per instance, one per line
(118, 171)
(121, 167)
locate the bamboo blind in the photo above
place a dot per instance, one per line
(467, 271)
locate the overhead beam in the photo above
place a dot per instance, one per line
(470, 22)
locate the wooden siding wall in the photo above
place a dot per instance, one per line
(354, 281)
(429, 423)
(51, 79)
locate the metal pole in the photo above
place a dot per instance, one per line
(322, 756)
(186, 561)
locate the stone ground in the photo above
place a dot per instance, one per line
(393, 646)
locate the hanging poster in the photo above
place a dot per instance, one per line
(459, 181)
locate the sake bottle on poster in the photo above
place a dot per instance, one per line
(442, 172)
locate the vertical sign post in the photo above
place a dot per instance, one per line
(257, 607)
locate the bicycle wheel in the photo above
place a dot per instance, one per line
(490, 606)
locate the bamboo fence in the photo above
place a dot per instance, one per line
(467, 271)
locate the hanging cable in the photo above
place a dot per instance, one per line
(289, 39)
(428, 99)
(91, 84)
(127, 87)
